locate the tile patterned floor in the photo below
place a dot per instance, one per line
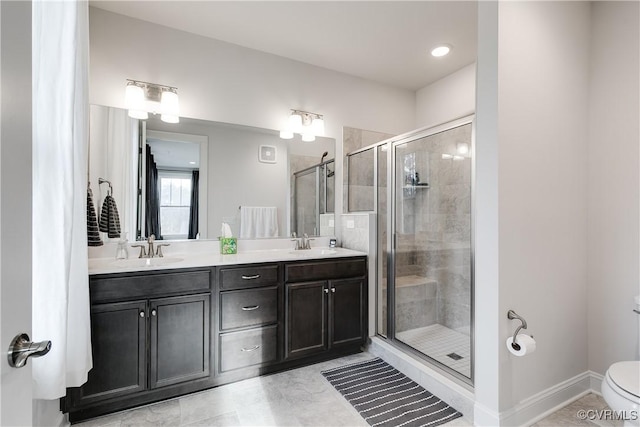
(568, 416)
(299, 397)
(436, 341)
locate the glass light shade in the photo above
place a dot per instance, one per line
(286, 134)
(308, 137)
(295, 122)
(138, 114)
(134, 97)
(169, 104)
(317, 126)
(168, 118)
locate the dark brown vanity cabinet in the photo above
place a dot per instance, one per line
(164, 333)
(325, 305)
(150, 336)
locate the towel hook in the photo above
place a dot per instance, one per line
(512, 315)
(102, 181)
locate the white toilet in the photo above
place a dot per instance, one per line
(621, 387)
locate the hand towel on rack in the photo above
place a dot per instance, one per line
(93, 233)
(109, 219)
(256, 222)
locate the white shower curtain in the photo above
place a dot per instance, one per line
(60, 137)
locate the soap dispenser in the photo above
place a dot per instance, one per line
(123, 251)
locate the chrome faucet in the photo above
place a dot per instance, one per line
(306, 241)
(294, 238)
(150, 252)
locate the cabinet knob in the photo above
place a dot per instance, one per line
(333, 290)
(154, 312)
(326, 290)
(142, 314)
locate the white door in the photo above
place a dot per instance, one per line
(15, 205)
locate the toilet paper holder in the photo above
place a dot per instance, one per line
(512, 315)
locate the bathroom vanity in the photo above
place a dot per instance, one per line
(178, 328)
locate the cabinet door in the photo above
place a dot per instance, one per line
(179, 339)
(306, 318)
(348, 311)
(118, 338)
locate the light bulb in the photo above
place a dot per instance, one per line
(168, 118)
(441, 50)
(462, 147)
(286, 134)
(295, 122)
(308, 137)
(138, 114)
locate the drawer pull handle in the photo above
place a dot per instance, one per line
(255, 276)
(250, 307)
(254, 348)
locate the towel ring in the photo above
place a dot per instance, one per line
(102, 181)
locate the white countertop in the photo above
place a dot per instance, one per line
(189, 260)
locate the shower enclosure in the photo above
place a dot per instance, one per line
(422, 194)
(313, 200)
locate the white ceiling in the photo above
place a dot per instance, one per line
(175, 154)
(384, 41)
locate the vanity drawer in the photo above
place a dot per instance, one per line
(248, 348)
(325, 270)
(253, 307)
(145, 285)
(248, 276)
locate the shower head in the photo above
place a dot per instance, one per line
(325, 154)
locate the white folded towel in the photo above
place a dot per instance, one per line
(256, 222)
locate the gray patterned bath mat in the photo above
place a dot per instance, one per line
(386, 397)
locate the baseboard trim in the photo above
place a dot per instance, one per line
(543, 404)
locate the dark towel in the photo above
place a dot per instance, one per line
(109, 219)
(93, 234)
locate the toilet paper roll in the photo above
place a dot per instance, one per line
(527, 345)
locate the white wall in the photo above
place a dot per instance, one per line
(538, 265)
(543, 100)
(449, 98)
(613, 184)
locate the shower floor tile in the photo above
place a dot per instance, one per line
(437, 341)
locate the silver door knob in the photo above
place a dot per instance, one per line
(21, 349)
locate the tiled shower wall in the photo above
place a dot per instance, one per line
(359, 181)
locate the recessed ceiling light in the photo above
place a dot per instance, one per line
(441, 50)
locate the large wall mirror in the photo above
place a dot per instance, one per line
(182, 181)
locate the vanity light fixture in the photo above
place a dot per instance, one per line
(143, 98)
(441, 50)
(307, 124)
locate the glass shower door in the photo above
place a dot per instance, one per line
(432, 246)
(307, 202)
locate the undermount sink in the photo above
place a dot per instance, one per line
(145, 262)
(314, 252)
